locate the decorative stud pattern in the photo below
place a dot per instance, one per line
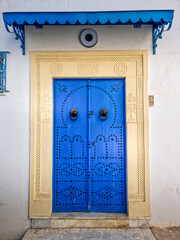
(89, 86)
(65, 101)
(107, 193)
(72, 193)
(108, 170)
(62, 87)
(76, 169)
(70, 171)
(103, 169)
(115, 87)
(113, 102)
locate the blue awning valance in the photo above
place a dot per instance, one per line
(157, 18)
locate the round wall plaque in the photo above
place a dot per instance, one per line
(88, 37)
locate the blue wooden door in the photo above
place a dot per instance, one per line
(89, 166)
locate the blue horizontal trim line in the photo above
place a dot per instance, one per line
(4, 52)
(83, 18)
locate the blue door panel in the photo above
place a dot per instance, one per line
(89, 170)
(107, 160)
(70, 147)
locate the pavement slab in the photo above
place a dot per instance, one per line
(90, 234)
(172, 233)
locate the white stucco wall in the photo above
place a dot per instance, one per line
(164, 127)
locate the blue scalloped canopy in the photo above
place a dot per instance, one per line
(157, 18)
(93, 18)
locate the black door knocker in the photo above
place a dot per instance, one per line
(103, 114)
(73, 114)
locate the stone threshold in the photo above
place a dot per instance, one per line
(88, 215)
(89, 220)
(92, 233)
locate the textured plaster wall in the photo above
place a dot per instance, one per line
(164, 127)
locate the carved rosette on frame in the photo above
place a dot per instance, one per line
(56, 69)
(120, 69)
(74, 66)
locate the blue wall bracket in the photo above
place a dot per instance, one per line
(158, 30)
(19, 33)
(157, 18)
(18, 30)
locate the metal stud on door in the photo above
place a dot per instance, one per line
(89, 145)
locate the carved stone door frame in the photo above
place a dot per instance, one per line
(131, 65)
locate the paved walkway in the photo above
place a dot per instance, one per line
(167, 233)
(90, 234)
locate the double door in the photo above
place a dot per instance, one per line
(89, 145)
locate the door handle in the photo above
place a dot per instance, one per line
(103, 114)
(73, 114)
